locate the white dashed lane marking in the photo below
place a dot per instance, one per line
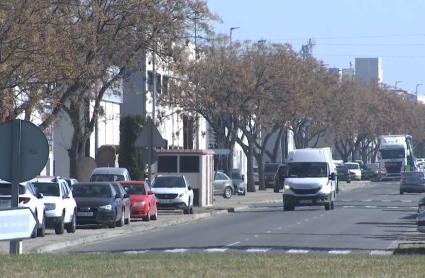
(257, 250)
(297, 251)
(218, 250)
(339, 252)
(182, 250)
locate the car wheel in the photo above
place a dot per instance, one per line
(328, 206)
(227, 193)
(401, 192)
(191, 210)
(127, 220)
(120, 222)
(72, 226)
(244, 192)
(60, 226)
(114, 223)
(147, 217)
(287, 207)
(41, 232)
(332, 205)
(276, 190)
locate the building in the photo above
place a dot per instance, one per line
(369, 70)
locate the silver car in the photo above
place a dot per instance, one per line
(223, 185)
(239, 184)
(412, 182)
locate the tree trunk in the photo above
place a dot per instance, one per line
(260, 163)
(250, 166)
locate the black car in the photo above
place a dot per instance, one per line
(97, 203)
(270, 170)
(343, 173)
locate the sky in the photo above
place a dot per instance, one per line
(341, 29)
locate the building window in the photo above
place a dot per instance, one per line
(167, 164)
(189, 164)
(150, 81)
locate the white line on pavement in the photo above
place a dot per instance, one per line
(297, 251)
(374, 207)
(182, 250)
(348, 206)
(216, 250)
(406, 201)
(232, 244)
(135, 252)
(339, 252)
(257, 250)
(380, 252)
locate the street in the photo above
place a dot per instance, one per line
(371, 219)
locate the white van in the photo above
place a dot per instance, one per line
(110, 174)
(310, 180)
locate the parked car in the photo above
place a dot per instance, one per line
(142, 199)
(279, 179)
(173, 192)
(28, 198)
(238, 180)
(354, 168)
(412, 182)
(343, 173)
(71, 182)
(420, 221)
(421, 205)
(59, 203)
(270, 170)
(97, 203)
(125, 204)
(223, 185)
(110, 174)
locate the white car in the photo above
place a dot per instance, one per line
(173, 192)
(355, 171)
(59, 202)
(29, 198)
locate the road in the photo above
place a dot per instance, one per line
(371, 220)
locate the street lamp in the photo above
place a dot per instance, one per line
(395, 86)
(230, 36)
(416, 90)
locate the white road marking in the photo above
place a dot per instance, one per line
(257, 250)
(380, 252)
(269, 232)
(393, 207)
(182, 250)
(216, 250)
(298, 223)
(368, 200)
(232, 244)
(135, 252)
(348, 206)
(339, 252)
(280, 228)
(372, 207)
(255, 235)
(297, 251)
(406, 201)
(386, 200)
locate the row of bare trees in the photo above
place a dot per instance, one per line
(62, 56)
(248, 91)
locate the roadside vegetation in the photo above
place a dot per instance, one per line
(211, 265)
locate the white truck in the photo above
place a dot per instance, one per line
(395, 152)
(311, 179)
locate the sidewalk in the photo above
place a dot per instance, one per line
(52, 242)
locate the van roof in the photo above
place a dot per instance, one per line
(308, 155)
(109, 170)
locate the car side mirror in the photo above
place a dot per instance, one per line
(243, 177)
(40, 195)
(66, 196)
(189, 187)
(332, 176)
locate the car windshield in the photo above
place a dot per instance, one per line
(6, 189)
(352, 166)
(307, 169)
(135, 189)
(168, 182)
(47, 188)
(107, 177)
(92, 190)
(341, 169)
(394, 153)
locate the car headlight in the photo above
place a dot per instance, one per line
(181, 195)
(139, 203)
(286, 187)
(106, 207)
(50, 206)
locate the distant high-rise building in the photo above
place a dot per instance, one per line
(369, 70)
(347, 74)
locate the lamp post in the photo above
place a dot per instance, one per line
(395, 85)
(230, 35)
(416, 90)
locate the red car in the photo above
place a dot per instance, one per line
(142, 199)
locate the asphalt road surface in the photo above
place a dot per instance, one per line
(372, 220)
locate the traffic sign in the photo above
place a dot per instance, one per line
(27, 143)
(18, 223)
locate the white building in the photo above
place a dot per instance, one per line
(369, 70)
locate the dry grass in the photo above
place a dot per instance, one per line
(211, 265)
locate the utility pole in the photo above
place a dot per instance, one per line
(307, 49)
(230, 35)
